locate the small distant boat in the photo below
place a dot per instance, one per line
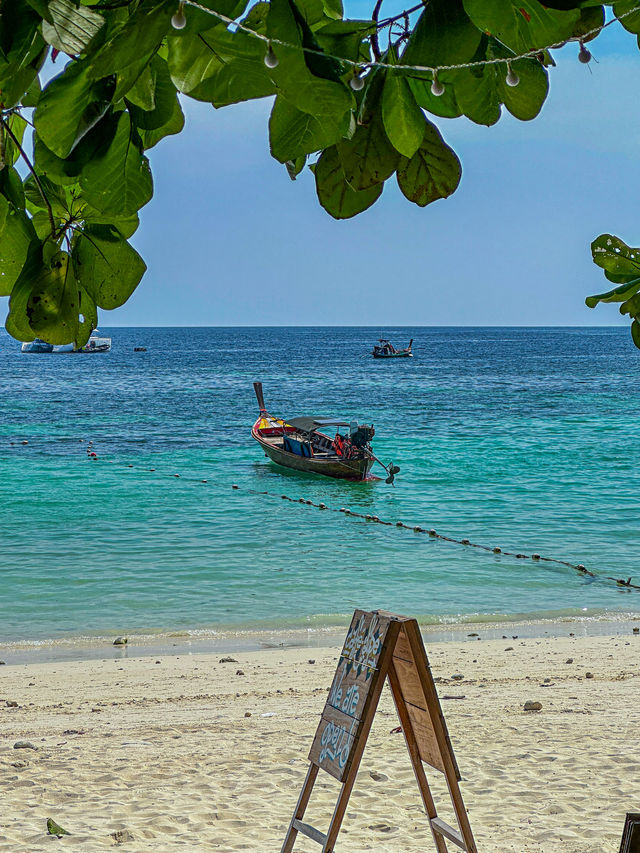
(139, 349)
(385, 349)
(36, 345)
(302, 444)
(96, 343)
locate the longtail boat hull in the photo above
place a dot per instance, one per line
(343, 469)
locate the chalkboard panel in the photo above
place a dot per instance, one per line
(631, 835)
(356, 675)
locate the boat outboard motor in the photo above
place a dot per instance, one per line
(361, 436)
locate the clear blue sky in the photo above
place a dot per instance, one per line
(229, 239)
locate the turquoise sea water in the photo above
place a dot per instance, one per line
(523, 438)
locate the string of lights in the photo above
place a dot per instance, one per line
(360, 67)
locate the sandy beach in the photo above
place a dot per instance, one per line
(189, 752)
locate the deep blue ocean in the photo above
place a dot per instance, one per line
(522, 438)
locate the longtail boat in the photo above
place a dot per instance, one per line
(301, 443)
(385, 349)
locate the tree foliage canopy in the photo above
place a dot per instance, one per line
(343, 95)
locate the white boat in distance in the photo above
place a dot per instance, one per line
(96, 343)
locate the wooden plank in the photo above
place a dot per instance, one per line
(448, 831)
(402, 648)
(310, 831)
(303, 800)
(414, 754)
(451, 772)
(333, 744)
(426, 738)
(410, 683)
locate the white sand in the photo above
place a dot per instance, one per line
(165, 751)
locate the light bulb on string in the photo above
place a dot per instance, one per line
(437, 88)
(357, 81)
(179, 20)
(270, 59)
(584, 55)
(512, 78)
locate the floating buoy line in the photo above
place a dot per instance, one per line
(374, 519)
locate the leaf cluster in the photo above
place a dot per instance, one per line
(69, 204)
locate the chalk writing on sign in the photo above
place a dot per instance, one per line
(347, 703)
(364, 642)
(336, 742)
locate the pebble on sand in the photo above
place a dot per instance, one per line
(533, 706)
(227, 660)
(588, 675)
(121, 836)
(24, 744)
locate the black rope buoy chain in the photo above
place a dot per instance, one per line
(578, 567)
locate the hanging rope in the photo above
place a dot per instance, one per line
(495, 549)
(431, 69)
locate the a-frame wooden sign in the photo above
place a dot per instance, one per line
(382, 645)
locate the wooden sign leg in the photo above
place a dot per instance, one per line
(303, 801)
(416, 761)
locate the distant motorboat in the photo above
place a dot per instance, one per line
(385, 349)
(96, 343)
(36, 345)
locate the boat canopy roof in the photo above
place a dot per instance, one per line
(309, 424)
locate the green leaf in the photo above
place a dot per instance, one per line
(53, 305)
(165, 99)
(192, 62)
(294, 167)
(318, 64)
(347, 39)
(57, 196)
(127, 226)
(613, 255)
(22, 50)
(404, 121)
(631, 22)
(239, 73)
(480, 91)
(118, 180)
(306, 91)
(368, 158)
(17, 323)
(522, 25)
(433, 172)
(635, 333)
(443, 35)
(293, 133)
(11, 187)
(69, 106)
(16, 234)
(140, 35)
(445, 105)
(106, 266)
(17, 126)
(142, 92)
(335, 194)
(88, 317)
(32, 95)
(70, 27)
